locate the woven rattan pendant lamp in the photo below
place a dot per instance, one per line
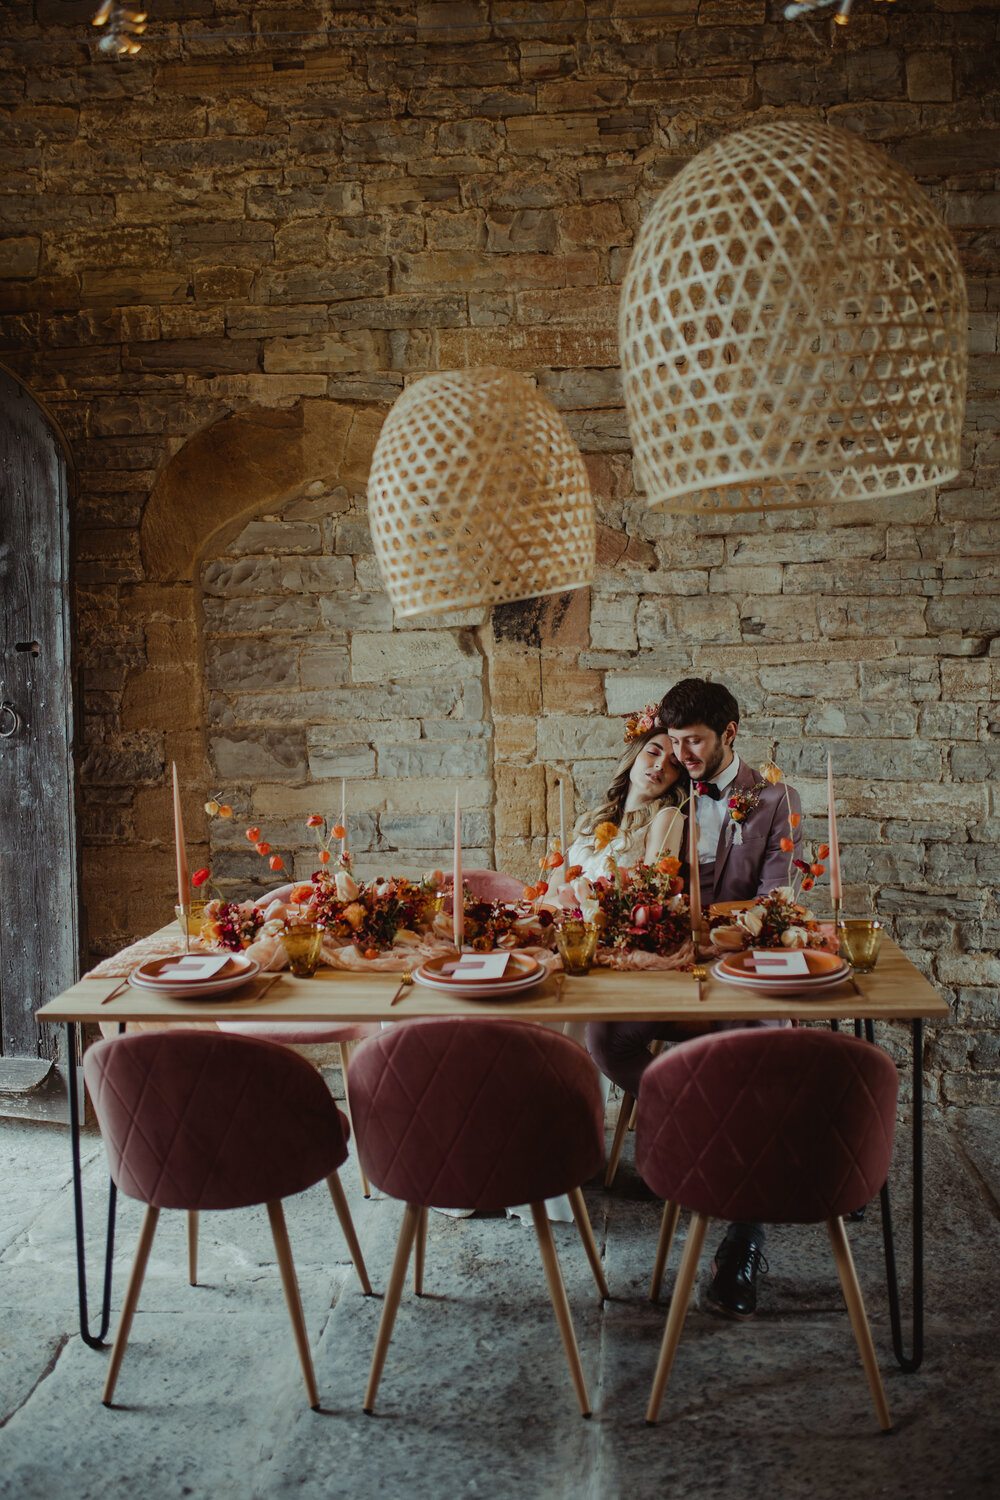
(792, 328)
(478, 495)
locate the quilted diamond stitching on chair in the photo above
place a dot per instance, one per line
(782, 1127)
(476, 1114)
(200, 1120)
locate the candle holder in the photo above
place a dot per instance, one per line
(190, 918)
(698, 970)
(576, 941)
(860, 939)
(303, 944)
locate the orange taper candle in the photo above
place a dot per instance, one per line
(457, 899)
(836, 885)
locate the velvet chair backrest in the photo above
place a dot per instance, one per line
(476, 1114)
(783, 1127)
(200, 1120)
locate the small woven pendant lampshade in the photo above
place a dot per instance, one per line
(478, 495)
(793, 327)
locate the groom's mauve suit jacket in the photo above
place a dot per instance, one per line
(758, 864)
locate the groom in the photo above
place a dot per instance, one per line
(738, 860)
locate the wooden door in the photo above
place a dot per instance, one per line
(38, 871)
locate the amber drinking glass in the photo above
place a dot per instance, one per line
(195, 917)
(303, 944)
(860, 940)
(577, 944)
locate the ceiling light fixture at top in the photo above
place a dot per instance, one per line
(123, 24)
(793, 327)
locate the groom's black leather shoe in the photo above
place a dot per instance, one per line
(732, 1292)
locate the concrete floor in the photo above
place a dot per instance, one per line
(476, 1398)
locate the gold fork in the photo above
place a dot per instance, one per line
(404, 985)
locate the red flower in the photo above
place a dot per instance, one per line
(314, 821)
(276, 862)
(253, 834)
(263, 848)
(199, 877)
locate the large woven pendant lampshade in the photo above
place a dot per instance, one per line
(478, 495)
(793, 327)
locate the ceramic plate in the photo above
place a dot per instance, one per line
(520, 967)
(780, 988)
(822, 965)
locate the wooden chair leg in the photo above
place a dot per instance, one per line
(394, 1291)
(671, 1213)
(697, 1230)
(192, 1229)
(618, 1144)
(418, 1258)
(131, 1300)
(586, 1229)
(557, 1292)
(289, 1282)
(345, 1055)
(859, 1319)
(339, 1197)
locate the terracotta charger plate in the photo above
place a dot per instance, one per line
(148, 976)
(822, 965)
(522, 973)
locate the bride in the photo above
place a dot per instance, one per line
(640, 819)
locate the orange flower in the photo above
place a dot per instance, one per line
(225, 811)
(276, 862)
(817, 869)
(211, 808)
(253, 834)
(808, 883)
(263, 849)
(771, 772)
(788, 845)
(324, 856)
(603, 834)
(794, 819)
(529, 893)
(822, 851)
(554, 861)
(542, 887)
(668, 866)
(339, 831)
(314, 821)
(574, 871)
(300, 893)
(199, 877)
(371, 953)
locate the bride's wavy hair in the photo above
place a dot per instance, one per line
(612, 809)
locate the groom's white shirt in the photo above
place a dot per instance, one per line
(712, 815)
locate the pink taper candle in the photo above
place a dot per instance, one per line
(183, 883)
(343, 814)
(836, 886)
(457, 899)
(694, 881)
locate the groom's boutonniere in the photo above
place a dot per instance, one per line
(741, 805)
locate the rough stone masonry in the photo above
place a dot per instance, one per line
(219, 264)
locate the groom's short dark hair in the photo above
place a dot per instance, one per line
(695, 701)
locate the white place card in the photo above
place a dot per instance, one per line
(480, 966)
(786, 962)
(195, 966)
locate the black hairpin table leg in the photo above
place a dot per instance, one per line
(908, 1362)
(96, 1341)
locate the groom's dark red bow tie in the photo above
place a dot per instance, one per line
(708, 789)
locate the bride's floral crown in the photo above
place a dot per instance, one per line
(640, 723)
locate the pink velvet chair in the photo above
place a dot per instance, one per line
(774, 1127)
(195, 1120)
(344, 1035)
(481, 1115)
(490, 885)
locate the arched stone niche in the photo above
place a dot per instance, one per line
(256, 461)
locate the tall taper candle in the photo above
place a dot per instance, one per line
(836, 885)
(343, 814)
(562, 821)
(457, 897)
(183, 883)
(694, 878)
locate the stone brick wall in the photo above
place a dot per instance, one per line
(274, 225)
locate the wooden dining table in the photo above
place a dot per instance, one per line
(894, 991)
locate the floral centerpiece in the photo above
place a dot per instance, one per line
(640, 910)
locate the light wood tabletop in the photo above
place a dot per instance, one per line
(896, 990)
